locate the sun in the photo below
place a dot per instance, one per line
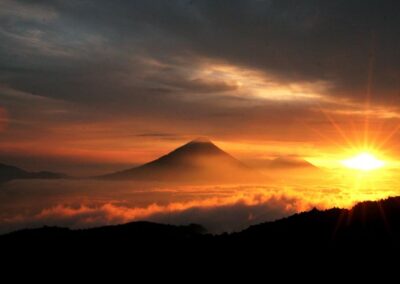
(363, 162)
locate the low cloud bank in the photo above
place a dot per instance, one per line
(216, 214)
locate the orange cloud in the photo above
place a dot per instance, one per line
(252, 209)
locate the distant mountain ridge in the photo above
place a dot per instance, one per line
(8, 172)
(199, 160)
(282, 163)
(290, 163)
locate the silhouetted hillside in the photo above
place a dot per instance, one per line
(368, 226)
(197, 161)
(8, 173)
(138, 232)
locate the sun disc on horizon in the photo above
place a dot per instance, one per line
(363, 162)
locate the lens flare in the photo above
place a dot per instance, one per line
(363, 162)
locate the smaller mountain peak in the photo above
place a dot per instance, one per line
(201, 140)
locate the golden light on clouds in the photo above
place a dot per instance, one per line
(262, 85)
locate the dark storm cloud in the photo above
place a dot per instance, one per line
(193, 67)
(89, 47)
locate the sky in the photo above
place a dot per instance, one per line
(87, 87)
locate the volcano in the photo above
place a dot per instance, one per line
(197, 161)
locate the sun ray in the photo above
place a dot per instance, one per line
(371, 63)
(389, 137)
(337, 128)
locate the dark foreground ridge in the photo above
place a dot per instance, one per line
(372, 226)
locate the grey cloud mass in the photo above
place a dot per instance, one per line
(200, 65)
(83, 45)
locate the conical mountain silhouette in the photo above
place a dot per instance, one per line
(199, 161)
